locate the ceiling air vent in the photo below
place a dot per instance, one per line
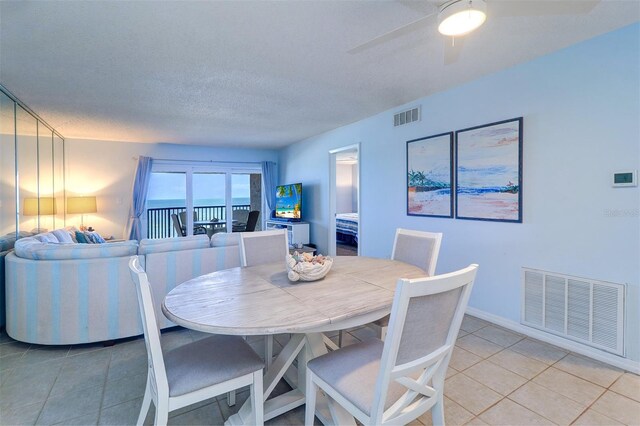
(406, 117)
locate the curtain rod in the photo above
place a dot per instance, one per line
(200, 161)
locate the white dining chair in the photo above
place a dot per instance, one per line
(396, 381)
(417, 248)
(258, 248)
(196, 371)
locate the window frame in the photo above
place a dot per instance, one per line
(189, 168)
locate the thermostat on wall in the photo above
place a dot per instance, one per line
(625, 178)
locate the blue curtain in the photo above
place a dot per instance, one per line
(270, 179)
(140, 189)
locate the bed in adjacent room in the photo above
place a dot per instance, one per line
(347, 227)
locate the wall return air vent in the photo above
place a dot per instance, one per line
(587, 311)
(406, 117)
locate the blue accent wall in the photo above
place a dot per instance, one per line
(581, 109)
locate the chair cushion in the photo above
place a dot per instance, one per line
(209, 361)
(353, 372)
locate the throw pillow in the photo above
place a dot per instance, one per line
(80, 238)
(62, 235)
(47, 237)
(72, 232)
(94, 237)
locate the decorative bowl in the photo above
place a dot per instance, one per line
(306, 267)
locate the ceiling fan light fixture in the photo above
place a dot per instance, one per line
(460, 17)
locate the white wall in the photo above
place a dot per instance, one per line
(344, 188)
(581, 109)
(354, 193)
(106, 169)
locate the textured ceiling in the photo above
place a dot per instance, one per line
(256, 73)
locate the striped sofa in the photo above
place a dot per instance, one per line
(60, 294)
(6, 246)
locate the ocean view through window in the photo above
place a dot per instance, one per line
(218, 200)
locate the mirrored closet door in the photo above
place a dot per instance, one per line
(32, 171)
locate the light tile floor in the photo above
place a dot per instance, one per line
(496, 377)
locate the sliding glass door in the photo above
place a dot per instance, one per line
(246, 194)
(209, 202)
(190, 199)
(166, 199)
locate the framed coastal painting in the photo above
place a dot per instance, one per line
(489, 172)
(430, 176)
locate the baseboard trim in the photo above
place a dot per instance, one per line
(616, 361)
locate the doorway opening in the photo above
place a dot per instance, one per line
(345, 237)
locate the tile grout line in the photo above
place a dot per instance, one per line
(515, 390)
(548, 366)
(584, 378)
(104, 386)
(510, 393)
(590, 406)
(49, 393)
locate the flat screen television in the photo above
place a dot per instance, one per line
(289, 201)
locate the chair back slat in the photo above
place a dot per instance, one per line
(149, 324)
(258, 248)
(417, 248)
(425, 319)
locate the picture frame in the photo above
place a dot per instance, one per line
(489, 172)
(430, 176)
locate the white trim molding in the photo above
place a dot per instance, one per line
(606, 357)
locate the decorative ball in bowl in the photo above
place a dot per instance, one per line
(306, 267)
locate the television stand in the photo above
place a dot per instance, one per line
(304, 249)
(298, 232)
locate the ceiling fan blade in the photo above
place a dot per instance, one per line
(420, 6)
(540, 7)
(388, 36)
(452, 49)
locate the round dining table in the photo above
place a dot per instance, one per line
(260, 300)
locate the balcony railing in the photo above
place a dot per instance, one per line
(159, 224)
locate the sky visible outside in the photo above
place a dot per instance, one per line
(206, 186)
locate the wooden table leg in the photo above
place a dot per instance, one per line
(280, 404)
(304, 347)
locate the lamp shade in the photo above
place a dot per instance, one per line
(36, 206)
(81, 205)
(459, 17)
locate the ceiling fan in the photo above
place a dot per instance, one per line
(457, 18)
